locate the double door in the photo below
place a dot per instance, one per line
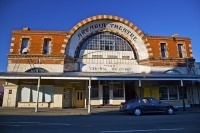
(73, 98)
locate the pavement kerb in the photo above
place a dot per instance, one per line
(75, 111)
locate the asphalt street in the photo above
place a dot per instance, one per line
(102, 121)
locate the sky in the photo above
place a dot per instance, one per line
(153, 17)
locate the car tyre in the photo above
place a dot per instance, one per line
(170, 110)
(137, 111)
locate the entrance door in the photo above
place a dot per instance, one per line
(130, 92)
(66, 98)
(79, 98)
(105, 95)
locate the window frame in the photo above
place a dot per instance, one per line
(94, 92)
(47, 45)
(179, 93)
(163, 50)
(118, 91)
(180, 50)
(24, 44)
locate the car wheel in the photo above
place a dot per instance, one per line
(170, 110)
(137, 111)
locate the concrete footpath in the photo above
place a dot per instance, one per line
(76, 111)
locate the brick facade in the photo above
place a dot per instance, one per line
(35, 55)
(119, 46)
(60, 39)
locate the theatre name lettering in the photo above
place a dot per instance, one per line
(109, 26)
(109, 68)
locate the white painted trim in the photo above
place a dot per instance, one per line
(100, 78)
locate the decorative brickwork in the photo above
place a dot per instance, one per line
(109, 17)
(60, 39)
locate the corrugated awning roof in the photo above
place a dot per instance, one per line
(97, 76)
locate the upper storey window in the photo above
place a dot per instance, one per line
(163, 50)
(172, 72)
(24, 46)
(180, 50)
(105, 41)
(37, 70)
(46, 46)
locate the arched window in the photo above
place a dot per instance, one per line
(37, 70)
(172, 72)
(104, 41)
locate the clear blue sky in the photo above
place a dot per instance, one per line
(155, 17)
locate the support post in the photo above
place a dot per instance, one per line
(38, 88)
(89, 101)
(183, 95)
(140, 87)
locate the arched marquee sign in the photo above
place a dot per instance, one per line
(106, 23)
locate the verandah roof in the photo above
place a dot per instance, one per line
(97, 76)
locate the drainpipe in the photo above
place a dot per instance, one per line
(89, 102)
(38, 88)
(183, 95)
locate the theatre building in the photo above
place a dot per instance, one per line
(101, 61)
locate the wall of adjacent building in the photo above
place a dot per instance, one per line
(53, 62)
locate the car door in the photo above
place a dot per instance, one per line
(145, 105)
(157, 105)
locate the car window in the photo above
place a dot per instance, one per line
(144, 101)
(154, 101)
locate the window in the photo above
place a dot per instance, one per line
(154, 101)
(163, 93)
(172, 72)
(118, 89)
(172, 93)
(94, 89)
(24, 46)
(10, 91)
(145, 101)
(79, 95)
(118, 92)
(180, 50)
(163, 50)
(94, 92)
(46, 46)
(105, 41)
(102, 47)
(37, 70)
(29, 93)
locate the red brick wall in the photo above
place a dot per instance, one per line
(171, 44)
(58, 37)
(36, 40)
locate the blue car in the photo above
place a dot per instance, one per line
(142, 105)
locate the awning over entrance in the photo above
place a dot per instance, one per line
(97, 76)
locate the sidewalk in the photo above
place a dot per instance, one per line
(75, 111)
(52, 111)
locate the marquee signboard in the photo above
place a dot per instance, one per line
(109, 68)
